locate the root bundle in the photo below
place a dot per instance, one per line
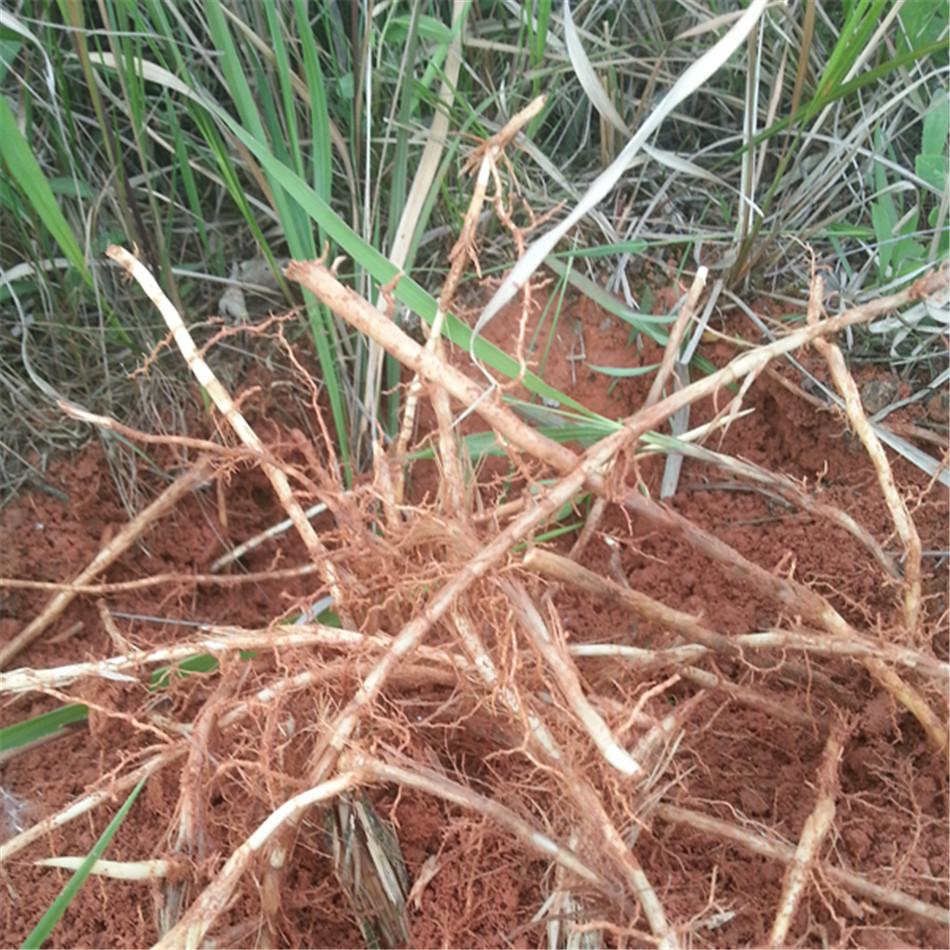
(455, 675)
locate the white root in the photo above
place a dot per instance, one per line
(225, 404)
(153, 870)
(213, 900)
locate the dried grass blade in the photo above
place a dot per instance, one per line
(694, 77)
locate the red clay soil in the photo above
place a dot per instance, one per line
(733, 762)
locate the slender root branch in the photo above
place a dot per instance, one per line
(214, 899)
(226, 406)
(813, 835)
(779, 851)
(129, 534)
(906, 530)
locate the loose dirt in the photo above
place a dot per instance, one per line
(731, 762)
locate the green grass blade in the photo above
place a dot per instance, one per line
(604, 250)
(40, 933)
(285, 78)
(42, 726)
(406, 290)
(292, 217)
(187, 174)
(855, 33)
(398, 181)
(648, 324)
(624, 372)
(869, 78)
(9, 50)
(26, 172)
(321, 154)
(479, 445)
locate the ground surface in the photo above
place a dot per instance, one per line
(733, 762)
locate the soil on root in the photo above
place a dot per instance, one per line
(732, 762)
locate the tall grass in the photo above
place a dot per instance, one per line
(208, 134)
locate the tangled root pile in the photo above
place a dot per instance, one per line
(438, 657)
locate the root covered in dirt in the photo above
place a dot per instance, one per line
(415, 721)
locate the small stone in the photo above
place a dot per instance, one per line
(858, 841)
(938, 405)
(878, 393)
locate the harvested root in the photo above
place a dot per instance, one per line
(810, 604)
(779, 851)
(463, 649)
(222, 399)
(125, 538)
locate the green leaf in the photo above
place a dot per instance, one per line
(22, 289)
(428, 27)
(934, 169)
(330, 618)
(932, 164)
(884, 217)
(9, 49)
(546, 536)
(539, 41)
(936, 127)
(71, 188)
(345, 86)
(321, 157)
(26, 172)
(39, 727)
(908, 256)
(922, 21)
(52, 917)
